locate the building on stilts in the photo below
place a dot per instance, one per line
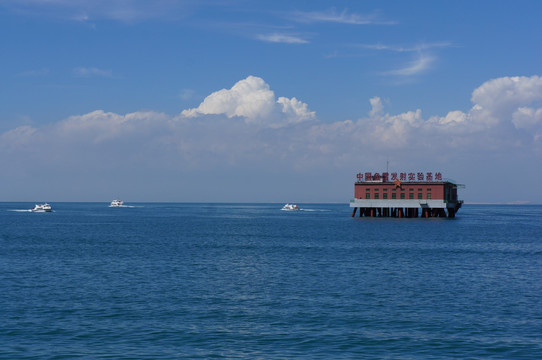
(405, 195)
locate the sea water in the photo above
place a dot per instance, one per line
(249, 281)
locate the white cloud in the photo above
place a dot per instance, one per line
(253, 100)
(422, 61)
(527, 118)
(376, 106)
(342, 17)
(400, 49)
(281, 38)
(224, 123)
(452, 118)
(418, 65)
(247, 129)
(99, 126)
(250, 98)
(498, 99)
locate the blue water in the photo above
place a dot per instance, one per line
(201, 281)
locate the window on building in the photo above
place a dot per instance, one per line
(402, 195)
(368, 195)
(411, 195)
(429, 196)
(377, 196)
(394, 195)
(385, 196)
(420, 196)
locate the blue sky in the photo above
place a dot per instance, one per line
(281, 101)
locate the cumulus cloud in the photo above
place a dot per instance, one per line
(498, 99)
(255, 102)
(248, 118)
(248, 127)
(527, 118)
(376, 106)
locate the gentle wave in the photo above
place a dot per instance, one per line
(246, 281)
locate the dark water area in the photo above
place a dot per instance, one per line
(201, 281)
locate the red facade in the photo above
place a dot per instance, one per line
(428, 190)
(404, 198)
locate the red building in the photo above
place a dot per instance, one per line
(405, 195)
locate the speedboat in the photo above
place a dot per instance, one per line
(290, 207)
(116, 203)
(42, 208)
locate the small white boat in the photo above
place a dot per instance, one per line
(290, 207)
(116, 203)
(42, 208)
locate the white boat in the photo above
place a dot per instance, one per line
(42, 208)
(116, 203)
(290, 207)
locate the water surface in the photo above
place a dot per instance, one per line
(175, 280)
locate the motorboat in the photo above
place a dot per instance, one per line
(290, 207)
(116, 203)
(42, 208)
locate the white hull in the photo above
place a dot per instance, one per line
(42, 208)
(116, 203)
(290, 207)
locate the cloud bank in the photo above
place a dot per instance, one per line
(248, 130)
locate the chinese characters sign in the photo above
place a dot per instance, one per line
(403, 176)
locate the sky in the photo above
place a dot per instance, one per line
(267, 101)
